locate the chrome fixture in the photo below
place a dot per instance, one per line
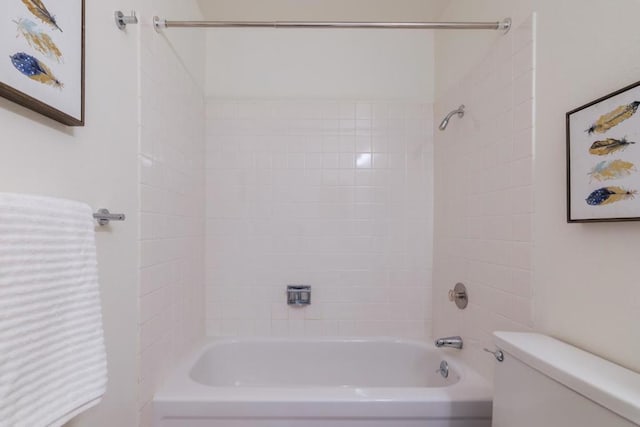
(445, 122)
(103, 216)
(504, 25)
(298, 295)
(459, 295)
(444, 369)
(498, 354)
(453, 342)
(122, 20)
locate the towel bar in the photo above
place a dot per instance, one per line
(103, 216)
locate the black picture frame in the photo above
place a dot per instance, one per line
(592, 151)
(32, 102)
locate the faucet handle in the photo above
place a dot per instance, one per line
(498, 354)
(459, 295)
(453, 295)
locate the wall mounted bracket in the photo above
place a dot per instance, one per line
(103, 216)
(298, 295)
(123, 20)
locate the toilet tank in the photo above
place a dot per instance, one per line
(546, 382)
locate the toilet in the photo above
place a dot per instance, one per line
(544, 382)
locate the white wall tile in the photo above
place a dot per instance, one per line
(171, 161)
(341, 214)
(484, 193)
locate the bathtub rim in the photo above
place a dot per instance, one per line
(471, 389)
(206, 345)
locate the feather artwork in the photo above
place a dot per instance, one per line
(608, 195)
(608, 146)
(39, 10)
(614, 169)
(38, 40)
(614, 118)
(34, 69)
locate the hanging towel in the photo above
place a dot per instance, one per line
(52, 354)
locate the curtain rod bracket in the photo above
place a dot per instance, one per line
(505, 25)
(159, 24)
(123, 20)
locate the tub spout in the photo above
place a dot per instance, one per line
(453, 342)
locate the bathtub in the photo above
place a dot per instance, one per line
(321, 383)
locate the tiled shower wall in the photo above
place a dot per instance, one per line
(171, 210)
(334, 194)
(484, 198)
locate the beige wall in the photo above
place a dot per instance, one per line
(585, 288)
(330, 64)
(318, 10)
(95, 164)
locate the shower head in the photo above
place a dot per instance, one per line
(445, 122)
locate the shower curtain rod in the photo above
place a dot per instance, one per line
(503, 25)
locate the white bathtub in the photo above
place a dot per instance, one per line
(321, 383)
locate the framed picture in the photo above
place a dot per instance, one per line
(42, 57)
(603, 158)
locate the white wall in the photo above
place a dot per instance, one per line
(144, 124)
(171, 162)
(585, 284)
(95, 164)
(484, 197)
(290, 111)
(334, 194)
(332, 64)
(322, 10)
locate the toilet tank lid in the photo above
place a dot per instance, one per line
(610, 385)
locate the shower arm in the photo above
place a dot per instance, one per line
(445, 122)
(459, 112)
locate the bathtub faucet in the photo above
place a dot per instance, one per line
(453, 342)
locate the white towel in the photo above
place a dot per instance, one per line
(52, 355)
